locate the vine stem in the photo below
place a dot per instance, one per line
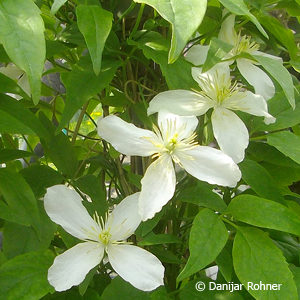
(84, 108)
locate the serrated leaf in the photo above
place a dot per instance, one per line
(25, 276)
(22, 36)
(264, 213)
(281, 75)
(21, 204)
(287, 143)
(95, 24)
(239, 8)
(177, 13)
(256, 259)
(207, 238)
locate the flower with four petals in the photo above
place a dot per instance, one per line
(256, 77)
(217, 92)
(173, 140)
(135, 265)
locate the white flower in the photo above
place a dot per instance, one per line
(256, 77)
(217, 93)
(135, 265)
(173, 140)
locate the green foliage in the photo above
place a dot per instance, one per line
(208, 235)
(95, 24)
(25, 276)
(177, 13)
(22, 36)
(64, 65)
(255, 264)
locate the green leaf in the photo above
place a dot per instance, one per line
(8, 85)
(57, 4)
(281, 75)
(91, 186)
(22, 36)
(27, 238)
(239, 8)
(217, 50)
(285, 115)
(82, 84)
(256, 259)
(120, 289)
(200, 193)
(262, 152)
(296, 272)
(207, 238)
(224, 262)
(12, 154)
(15, 118)
(25, 276)
(185, 16)
(287, 143)
(95, 24)
(260, 180)
(59, 149)
(264, 213)
(157, 239)
(283, 34)
(46, 177)
(21, 205)
(189, 291)
(178, 75)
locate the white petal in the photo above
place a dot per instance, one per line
(170, 124)
(124, 219)
(227, 32)
(71, 267)
(210, 165)
(126, 137)
(220, 71)
(261, 82)
(266, 55)
(64, 207)
(230, 133)
(197, 54)
(180, 102)
(137, 266)
(250, 103)
(158, 186)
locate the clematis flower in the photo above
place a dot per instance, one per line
(135, 265)
(220, 94)
(173, 140)
(256, 77)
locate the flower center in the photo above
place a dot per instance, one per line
(171, 144)
(217, 87)
(244, 44)
(104, 237)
